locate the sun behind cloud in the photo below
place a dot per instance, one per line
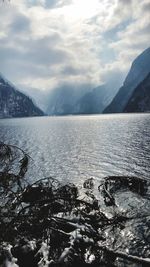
(81, 9)
(85, 9)
(46, 43)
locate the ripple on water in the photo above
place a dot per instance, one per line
(75, 148)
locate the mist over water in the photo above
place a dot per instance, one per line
(75, 148)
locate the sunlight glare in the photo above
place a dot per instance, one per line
(82, 9)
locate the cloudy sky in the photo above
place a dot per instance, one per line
(47, 43)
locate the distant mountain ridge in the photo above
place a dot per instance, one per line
(68, 100)
(140, 99)
(62, 100)
(13, 103)
(95, 101)
(139, 70)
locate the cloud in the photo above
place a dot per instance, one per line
(51, 4)
(19, 24)
(47, 43)
(132, 40)
(57, 3)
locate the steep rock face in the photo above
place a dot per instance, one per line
(13, 103)
(139, 70)
(140, 99)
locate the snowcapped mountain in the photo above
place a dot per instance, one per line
(13, 103)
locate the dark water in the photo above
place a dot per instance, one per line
(78, 147)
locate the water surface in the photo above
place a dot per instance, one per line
(74, 148)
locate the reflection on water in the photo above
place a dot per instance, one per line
(77, 147)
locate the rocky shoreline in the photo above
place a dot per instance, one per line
(47, 223)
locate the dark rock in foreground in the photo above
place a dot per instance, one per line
(51, 224)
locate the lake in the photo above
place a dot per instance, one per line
(74, 148)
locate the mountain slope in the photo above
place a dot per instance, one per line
(13, 103)
(139, 70)
(62, 100)
(79, 100)
(140, 99)
(94, 101)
